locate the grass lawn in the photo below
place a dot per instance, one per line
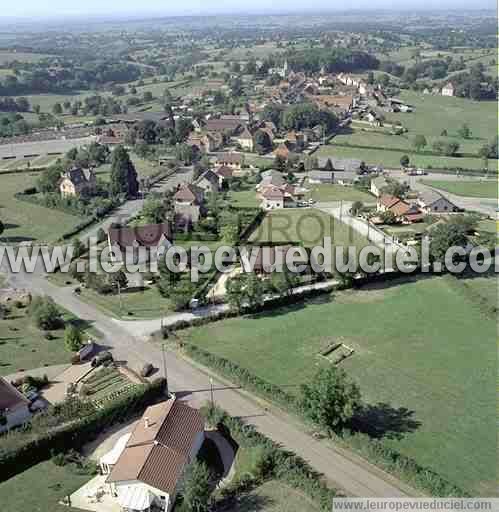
(26, 221)
(467, 188)
(40, 488)
(433, 114)
(243, 198)
(275, 496)
(391, 159)
(23, 346)
(326, 192)
(142, 303)
(416, 347)
(307, 226)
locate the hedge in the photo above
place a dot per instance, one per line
(373, 450)
(276, 463)
(21, 449)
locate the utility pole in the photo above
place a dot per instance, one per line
(211, 392)
(341, 209)
(165, 370)
(119, 297)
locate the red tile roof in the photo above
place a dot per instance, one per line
(158, 451)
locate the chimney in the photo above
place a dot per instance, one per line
(146, 420)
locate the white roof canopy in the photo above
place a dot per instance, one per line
(110, 458)
(135, 497)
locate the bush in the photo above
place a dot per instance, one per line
(45, 313)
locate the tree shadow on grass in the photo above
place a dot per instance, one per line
(254, 503)
(384, 421)
(16, 239)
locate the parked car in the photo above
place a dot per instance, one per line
(102, 359)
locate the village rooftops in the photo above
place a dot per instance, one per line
(78, 175)
(10, 398)
(150, 235)
(224, 171)
(188, 193)
(230, 158)
(160, 446)
(221, 125)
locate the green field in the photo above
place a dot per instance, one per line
(24, 347)
(416, 347)
(6, 56)
(391, 159)
(436, 113)
(274, 496)
(25, 221)
(326, 192)
(40, 488)
(146, 303)
(306, 226)
(466, 188)
(379, 139)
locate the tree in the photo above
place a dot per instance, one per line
(57, 109)
(45, 313)
(331, 399)
(167, 279)
(395, 188)
(419, 142)
(329, 166)
(197, 487)
(446, 235)
(2, 227)
(280, 163)
(147, 97)
(245, 289)
(154, 211)
(357, 207)
(230, 234)
(388, 217)
(118, 280)
(263, 143)
(181, 294)
(123, 174)
(73, 338)
(404, 161)
(48, 180)
(464, 131)
(184, 153)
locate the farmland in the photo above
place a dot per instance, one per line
(400, 359)
(466, 188)
(391, 159)
(29, 222)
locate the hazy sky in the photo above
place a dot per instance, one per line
(32, 8)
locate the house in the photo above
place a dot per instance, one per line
(233, 160)
(188, 204)
(208, 182)
(320, 176)
(224, 173)
(377, 184)
(204, 142)
(271, 177)
(132, 240)
(432, 201)
(284, 150)
(448, 90)
(229, 126)
(403, 211)
(77, 182)
(283, 196)
(245, 140)
(14, 407)
(296, 139)
(145, 468)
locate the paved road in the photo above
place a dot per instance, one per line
(487, 206)
(345, 470)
